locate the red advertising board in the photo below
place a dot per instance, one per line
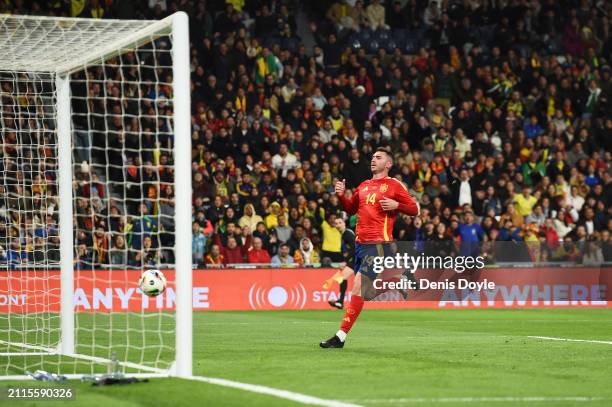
(272, 289)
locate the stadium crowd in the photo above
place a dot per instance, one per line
(497, 113)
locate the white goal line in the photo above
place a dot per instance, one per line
(51, 351)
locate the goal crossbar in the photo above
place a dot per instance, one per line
(36, 62)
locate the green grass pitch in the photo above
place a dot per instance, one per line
(392, 358)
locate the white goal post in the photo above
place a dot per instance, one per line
(76, 182)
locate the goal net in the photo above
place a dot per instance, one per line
(94, 189)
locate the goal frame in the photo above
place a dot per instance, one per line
(177, 25)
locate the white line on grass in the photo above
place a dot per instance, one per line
(549, 338)
(419, 400)
(51, 351)
(284, 394)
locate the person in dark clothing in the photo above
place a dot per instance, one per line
(360, 107)
(332, 49)
(348, 254)
(356, 170)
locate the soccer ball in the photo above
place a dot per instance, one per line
(152, 283)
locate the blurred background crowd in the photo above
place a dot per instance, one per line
(498, 114)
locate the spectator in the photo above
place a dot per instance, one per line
(267, 65)
(257, 254)
(198, 243)
(524, 202)
(340, 14)
(100, 247)
(250, 218)
(232, 253)
(271, 220)
(471, 234)
(593, 255)
(463, 190)
(283, 258)
(214, 257)
(82, 258)
(332, 238)
(575, 200)
(284, 160)
(356, 170)
(306, 254)
(375, 14)
(245, 239)
(283, 230)
(119, 252)
(537, 216)
(143, 226)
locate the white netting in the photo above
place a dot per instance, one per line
(123, 199)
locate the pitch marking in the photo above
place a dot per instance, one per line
(284, 394)
(416, 400)
(549, 338)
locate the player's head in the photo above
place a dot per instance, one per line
(382, 161)
(340, 224)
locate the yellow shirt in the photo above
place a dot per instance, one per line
(332, 238)
(524, 206)
(271, 221)
(338, 123)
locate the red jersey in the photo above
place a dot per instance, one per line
(374, 224)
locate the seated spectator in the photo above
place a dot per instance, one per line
(593, 255)
(119, 252)
(513, 215)
(230, 231)
(375, 14)
(198, 243)
(147, 256)
(245, 240)
(232, 253)
(82, 258)
(283, 258)
(257, 254)
(537, 216)
(340, 14)
(214, 257)
(306, 254)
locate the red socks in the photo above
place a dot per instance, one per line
(352, 313)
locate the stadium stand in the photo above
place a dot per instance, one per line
(487, 129)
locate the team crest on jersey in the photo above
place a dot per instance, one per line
(383, 188)
(365, 189)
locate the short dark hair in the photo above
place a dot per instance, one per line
(386, 150)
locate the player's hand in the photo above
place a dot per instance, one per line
(388, 204)
(340, 187)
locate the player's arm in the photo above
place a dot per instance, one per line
(350, 205)
(402, 201)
